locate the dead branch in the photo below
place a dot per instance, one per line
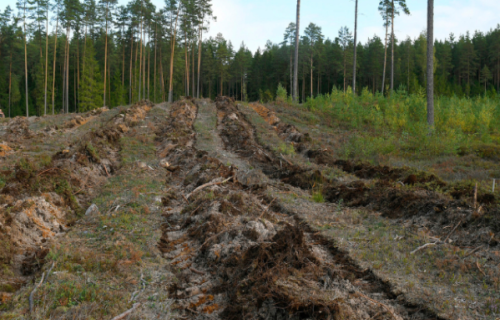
(106, 169)
(283, 157)
(46, 171)
(473, 251)
(206, 185)
(380, 304)
(50, 270)
(449, 234)
(475, 196)
(266, 209)
(479, 267)
(423, 247)
(197, 272)
(33, 292)
(128, 312)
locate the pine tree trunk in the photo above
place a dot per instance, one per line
(187, 67)
(199, 60)
(296, 62)
(140, 63)
(291, 73)
(64, 76)
(105, 56)
(54, 68)
(303, 86)
(430, 63)
(77, 85)
(149, 66)
(392, 48)
(10, 82)
(154, 75)
(67, 71)
(144, 57)
(171, 84)
(385, 56)
(311, 76)
(161, 78)
(26, 62)
(46, 60)
(192, 69)
(355, 48)
(131, 80)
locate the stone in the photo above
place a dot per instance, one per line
(93, 209)
(253, 178)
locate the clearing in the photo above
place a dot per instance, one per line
(228, 210)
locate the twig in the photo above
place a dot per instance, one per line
(449, 234)
(479, 267)
(197, 272)
(187, 201)
(266, 209)
(475, 196)
(381, 304)
(128, 312)
(213, 183)
(195, 312)
(473, 251)
(422, 247)
(286, 160)
(33, 292)
(50, 270)
(106, 169)
(46, 171)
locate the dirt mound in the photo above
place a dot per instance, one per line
(75, 122)
(19, 127)
(265, 113)
(179, 129)
(4, 149)
(286, 131)
(239, 136)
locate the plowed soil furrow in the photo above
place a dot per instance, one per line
(237, 258)
(239, 137)
(397, 192)
(42, 200)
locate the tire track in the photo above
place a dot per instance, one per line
(239, 137)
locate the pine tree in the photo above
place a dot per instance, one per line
(90, 85)
(485, 77)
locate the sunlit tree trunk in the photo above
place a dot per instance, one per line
(46, 60)
(430, 63)
(385, 56)
(105, 55)
(54, 68)
(296, 62)
(355, 48)
(171, 84)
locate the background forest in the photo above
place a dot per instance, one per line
(57, 55)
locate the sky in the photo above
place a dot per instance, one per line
(256, 21)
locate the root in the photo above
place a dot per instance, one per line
(127, 313)
(34, 291)
(423, 247)
(380, 304)
(206, 185)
